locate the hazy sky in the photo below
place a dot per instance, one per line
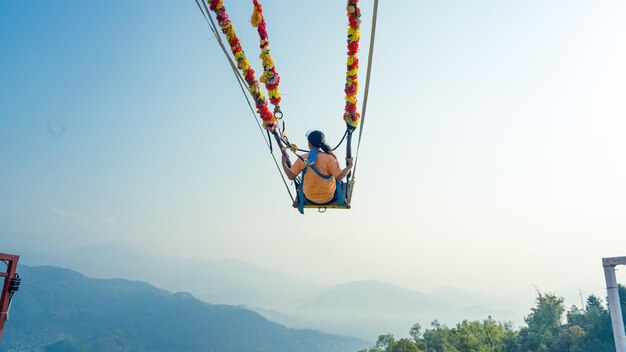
(492, 158)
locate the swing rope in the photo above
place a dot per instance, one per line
(241, 81)
(243, 64)
(351, 116)
(270, 76)
(367, 90)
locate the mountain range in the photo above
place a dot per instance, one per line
(61, 310)
(360, 308)
(221, 281)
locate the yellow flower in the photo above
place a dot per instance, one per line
(256, 18)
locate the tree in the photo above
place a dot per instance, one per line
(595, 321)
(385, 342)
(405, 345)
(569, 339)
(544, 323)
(437, 338)
(416, 332)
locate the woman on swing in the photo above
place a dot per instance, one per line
(318, 189)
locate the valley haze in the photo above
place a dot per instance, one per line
(360, 308)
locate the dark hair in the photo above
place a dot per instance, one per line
(317, 140)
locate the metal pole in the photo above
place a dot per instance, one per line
(5, 294)
(615, 308)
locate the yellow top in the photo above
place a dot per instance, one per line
(317, 189)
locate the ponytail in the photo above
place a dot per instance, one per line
(326, 148)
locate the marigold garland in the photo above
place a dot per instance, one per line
(351, 116)
(243, 64)
(270, 75)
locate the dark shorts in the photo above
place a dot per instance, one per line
(329, 202)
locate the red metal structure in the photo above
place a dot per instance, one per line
(11, 284)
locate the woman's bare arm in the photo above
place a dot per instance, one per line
(344, 172)
(290, 175)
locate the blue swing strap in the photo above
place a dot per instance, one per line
(310, 162)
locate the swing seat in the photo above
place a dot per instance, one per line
(333, 204)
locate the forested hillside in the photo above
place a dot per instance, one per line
(550, 327)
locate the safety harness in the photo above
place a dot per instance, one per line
(310, 162)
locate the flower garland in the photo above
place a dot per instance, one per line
(270, 75)
(351, 116)
(243, 64)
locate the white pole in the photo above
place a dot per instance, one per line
(615, 308)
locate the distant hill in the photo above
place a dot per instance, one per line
(375, 297)
(61, 310)
(367, 308)
(371, 297)
(223, 281)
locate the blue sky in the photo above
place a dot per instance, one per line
(493, 147)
